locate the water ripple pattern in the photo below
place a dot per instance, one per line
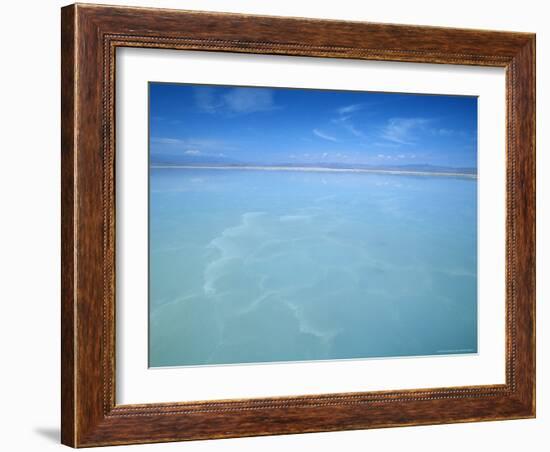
(268, 266)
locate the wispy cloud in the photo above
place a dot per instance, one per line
(166, 141)
(346, 110)
(234, 101)
(323, 135)
(402, 130)
(345, 114)
(192, 152)
(206, 100)
(395, 157)
(200, 144)
(345, 122)
(443, 132)
(246, 100)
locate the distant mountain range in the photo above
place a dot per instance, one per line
(210, 160)
(425, 168)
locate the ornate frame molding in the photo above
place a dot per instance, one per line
(90, 36)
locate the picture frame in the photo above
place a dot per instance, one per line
(90, 35)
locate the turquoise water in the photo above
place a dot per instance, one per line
(266, 266)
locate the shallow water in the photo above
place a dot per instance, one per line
(264, 266)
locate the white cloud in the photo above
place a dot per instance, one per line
(401, 130)
(346, 110)
(201, 144)
(344, 119)
(354, 130)
(248, 100)
(192, 152)
(323, 135)
(444, 132)
(395, 157)
(169, 141)
(346, 124)
(234, 101)
(205, 99)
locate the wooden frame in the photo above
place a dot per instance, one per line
(90, 35)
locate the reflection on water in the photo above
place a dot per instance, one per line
(265, 266)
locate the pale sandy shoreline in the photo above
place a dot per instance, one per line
(318, 169)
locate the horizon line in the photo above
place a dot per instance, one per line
(319, 169)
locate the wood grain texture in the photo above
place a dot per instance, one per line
(68, 244)
(90, 36)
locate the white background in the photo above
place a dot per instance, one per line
(29, 186)
(138, 384)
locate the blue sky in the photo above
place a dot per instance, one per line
(279, 125)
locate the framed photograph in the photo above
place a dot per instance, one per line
(281, 225)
